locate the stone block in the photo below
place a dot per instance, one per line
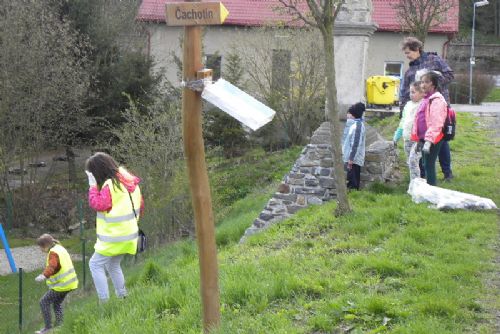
(380, 147)
(259, 223)
(326, 162)
(278, 211)
(325, 171)
(327, 182)
(296, 182)
(313, 200)
(311, 182)
(310, 191)
(319, 139)
(301, 200)
(284, 188)
(374, 169)
(265, 216)
(374, 157)
(291, 209)
(286, 197)
(308, 163)
(273, 202)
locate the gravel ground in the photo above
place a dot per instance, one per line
(30, 258)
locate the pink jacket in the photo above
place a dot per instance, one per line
(435, 115)
(100, 200)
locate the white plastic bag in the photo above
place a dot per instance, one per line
(238, 104)
(445, 199)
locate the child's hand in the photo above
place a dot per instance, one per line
(427, 147)
(40, 278)
(349, 165)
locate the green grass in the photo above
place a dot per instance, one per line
(233, 179)
(494, 95)
(392, 266)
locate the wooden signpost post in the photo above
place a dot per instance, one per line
(193, 15)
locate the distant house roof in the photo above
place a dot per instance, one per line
(260, 12)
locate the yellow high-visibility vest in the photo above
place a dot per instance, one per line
(117, 229)
(65, 279)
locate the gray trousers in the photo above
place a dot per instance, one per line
(99, 265)
(413, 158)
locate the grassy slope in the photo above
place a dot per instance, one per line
(391, 266)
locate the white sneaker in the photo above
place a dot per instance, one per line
(43, 331)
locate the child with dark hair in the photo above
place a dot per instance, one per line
(353, 147)
(428, 124)
(115, 194)
(60, 276)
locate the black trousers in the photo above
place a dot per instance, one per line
(353, 176)
(54, 298)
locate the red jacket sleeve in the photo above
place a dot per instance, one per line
(100, 200)
(54, 266)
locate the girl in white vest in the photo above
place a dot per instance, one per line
(115, 194)
(60, 276)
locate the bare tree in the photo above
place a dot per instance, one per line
(322, 15)
(43, 81)
(286, 68)
(419, 16)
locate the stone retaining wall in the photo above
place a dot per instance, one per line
(311, 179)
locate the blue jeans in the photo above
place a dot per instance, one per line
(445, 159)
(98, 265)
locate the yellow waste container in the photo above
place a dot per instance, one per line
(382, 90)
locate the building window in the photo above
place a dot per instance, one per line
(213, 61)
(394, 68)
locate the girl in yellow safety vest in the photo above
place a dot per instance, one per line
(115, 194)
(60, 276)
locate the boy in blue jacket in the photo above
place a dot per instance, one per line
(353, 146)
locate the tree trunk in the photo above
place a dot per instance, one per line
(333, 116)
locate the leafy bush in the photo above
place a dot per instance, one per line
(482, 84)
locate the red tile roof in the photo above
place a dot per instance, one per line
(260, 12)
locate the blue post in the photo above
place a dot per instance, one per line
(7, 250)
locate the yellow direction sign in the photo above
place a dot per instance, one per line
(195, 13)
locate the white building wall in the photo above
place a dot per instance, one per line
(386, 46)
(357, 56)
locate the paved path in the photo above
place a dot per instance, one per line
(486, 107)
